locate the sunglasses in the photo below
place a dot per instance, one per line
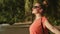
(36, 6)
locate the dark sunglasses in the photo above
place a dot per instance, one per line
(36, 7)
(40, 6)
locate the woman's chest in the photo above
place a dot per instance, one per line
(36, 24)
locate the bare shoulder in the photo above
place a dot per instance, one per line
(44, 19)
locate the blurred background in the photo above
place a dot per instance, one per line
(18, 12)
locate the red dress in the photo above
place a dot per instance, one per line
(36, 27)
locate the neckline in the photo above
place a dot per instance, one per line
(37, 19)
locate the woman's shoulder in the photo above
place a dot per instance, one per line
(44, 18)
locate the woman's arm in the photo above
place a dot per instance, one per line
(51, 28)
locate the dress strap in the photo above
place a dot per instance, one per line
(42, 26)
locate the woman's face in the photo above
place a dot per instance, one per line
(37, 9)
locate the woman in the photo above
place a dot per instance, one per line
(41, 24)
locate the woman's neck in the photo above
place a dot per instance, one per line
(38, 16)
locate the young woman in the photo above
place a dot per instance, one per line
(41, 24)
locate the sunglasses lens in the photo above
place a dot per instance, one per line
(35, 6)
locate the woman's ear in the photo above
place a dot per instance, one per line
(41, 10)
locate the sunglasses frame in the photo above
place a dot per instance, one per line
(36, 6)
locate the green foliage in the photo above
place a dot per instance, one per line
(11, 11)
(20, 11)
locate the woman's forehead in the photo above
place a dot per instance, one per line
(37, 4)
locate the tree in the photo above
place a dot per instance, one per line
(28, 6)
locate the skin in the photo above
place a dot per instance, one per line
(37, 12)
